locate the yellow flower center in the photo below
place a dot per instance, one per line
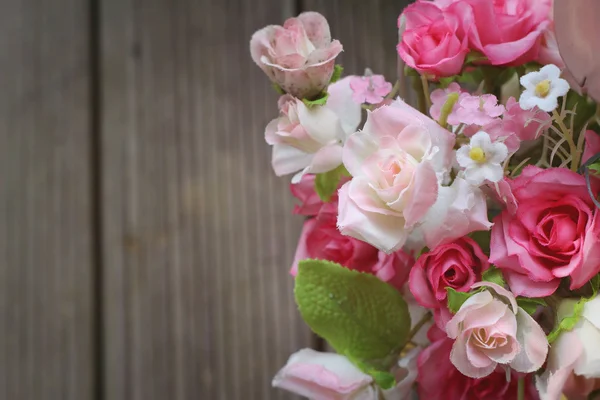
(543, 88)
(477, 154)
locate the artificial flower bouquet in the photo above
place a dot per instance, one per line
(450, 250)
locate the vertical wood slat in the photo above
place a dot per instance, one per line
(46, 266)
(198, 232)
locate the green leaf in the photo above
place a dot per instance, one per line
(595, 168)
(445, 82)
(474, 57)
(319, 101)
(327, 183)
(408, 71)
(278, 88)
(586, 108)
(337, 73)
(493, 275)
(360, 316)
(530, 305)
(482, 238)
(456, 299)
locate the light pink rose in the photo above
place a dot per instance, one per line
(298, 56)
(526, 124)
(321, 240)
(507, 32)
(573, 366)
(430, 42)
(491, 330)
(438, 379)
(395, 162)
(554, 233)
(309, 140)
(324, 376)
(457, 265)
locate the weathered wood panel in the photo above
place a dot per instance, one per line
(198, 232)
(46, 279)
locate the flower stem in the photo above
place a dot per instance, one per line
(447, 109)
(418, 87)
(568, 135)
(521, 389)
(394, 91)
(425, 84)
(418, 326)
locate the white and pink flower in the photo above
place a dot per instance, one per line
(396, 162)
(298, 56)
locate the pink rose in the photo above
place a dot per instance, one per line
(438, 379)
(325, 376)
(395, 162)
(431, 42)
(320, 239)
(507, 32)
(526, 124)
(298, 56)
(491, 330)
(554, 233)
(310, 202)
(457, 265)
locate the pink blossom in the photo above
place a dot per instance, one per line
(395, 161)
(438, 379)
(457, 265)
(554, 233)
(370, 89)
(526, 124)
(439, 98)
(299, 56)
(478, 110)
(430, 42)
(324, 376)
(320, 239)
(507, 32)
(490, 330)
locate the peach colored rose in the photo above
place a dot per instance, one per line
(299, 56)
(430, 42)
(396, 162)
(491, 330)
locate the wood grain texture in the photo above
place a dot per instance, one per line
(198, 232)
(46, 288)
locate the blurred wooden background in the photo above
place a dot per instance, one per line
(144, 240)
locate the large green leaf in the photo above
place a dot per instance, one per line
(327, 183)
(361, 317)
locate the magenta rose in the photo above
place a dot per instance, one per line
(507, 32)
(320, 239)
(430, 40)
(299, 56)
(438, 379)
(554, 233)
(457, 265)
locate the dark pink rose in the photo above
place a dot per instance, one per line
(430, 42)
(320, 239)
(554, 233)
(438, 379)
(507, 32)
(457, 265)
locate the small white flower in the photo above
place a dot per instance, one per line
(481, 159)
(543, 88)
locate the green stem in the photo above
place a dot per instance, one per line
(521, 389)
(418, 87)
(418, 327)
(394, 91)
(425, 84)
(447, 109)
(575, 154)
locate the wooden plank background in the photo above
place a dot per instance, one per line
(145, 241)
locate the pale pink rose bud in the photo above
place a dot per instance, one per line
(325, 376)
(298, 56)
(490, 329)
